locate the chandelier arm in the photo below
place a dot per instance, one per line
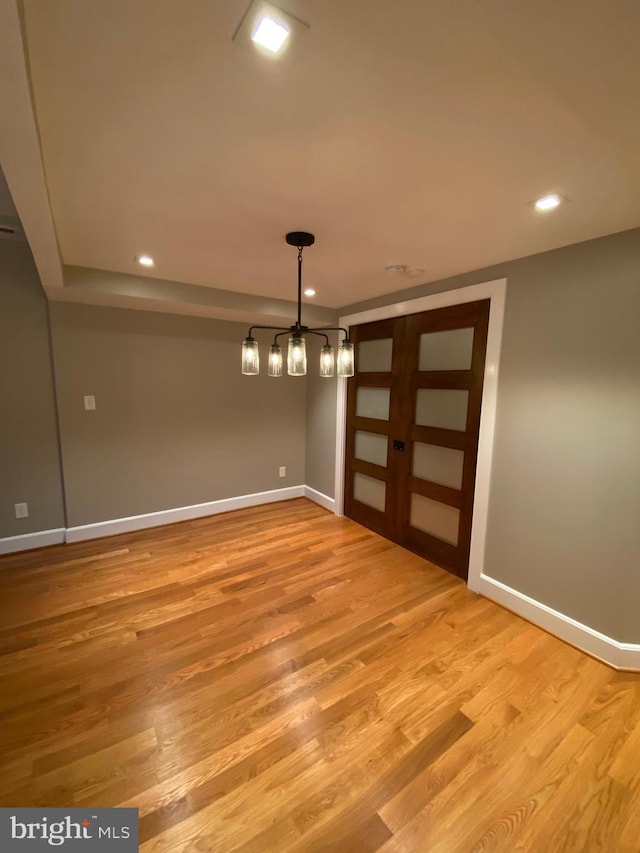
(269, 328)
(332, 329)
(319, 333)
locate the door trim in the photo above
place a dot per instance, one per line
(496, 291)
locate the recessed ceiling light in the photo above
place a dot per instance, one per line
(270, 30)
(548, 202)
(270, 34)
(309, 292)
(145, 260)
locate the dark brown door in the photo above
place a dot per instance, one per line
(413, 415)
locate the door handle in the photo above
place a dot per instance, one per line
(398, 445)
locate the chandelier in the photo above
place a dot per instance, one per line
(296, 347)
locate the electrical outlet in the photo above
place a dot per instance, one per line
(89, 403)
(283, 471)
(22, 510)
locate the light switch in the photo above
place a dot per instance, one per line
(22, 510)
(89, 403)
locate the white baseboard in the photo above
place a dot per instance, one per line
(610, 651)
(319, 498)
(183, 513)
(27, 541)
(155, 519)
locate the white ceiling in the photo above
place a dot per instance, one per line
(412, 132)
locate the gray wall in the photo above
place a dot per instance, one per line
(29, 458)
(175, 423)
(564, 514)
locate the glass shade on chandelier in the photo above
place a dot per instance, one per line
(275, 361)
(297, 356)
(296, 347)
(327, 364)
(346, 362)
(250, 357)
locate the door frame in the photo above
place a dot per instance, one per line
(496, 291)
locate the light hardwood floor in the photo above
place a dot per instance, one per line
(279, 679)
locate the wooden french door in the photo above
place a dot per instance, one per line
(413, 416)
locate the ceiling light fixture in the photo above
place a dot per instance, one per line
(309, 291)
(296, 350)
(547, 202)
(145, 260)
(268, 29)
(270, 34)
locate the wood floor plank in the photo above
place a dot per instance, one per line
(280, 679)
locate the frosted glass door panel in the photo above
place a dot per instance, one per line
(442, 408)
(436, 518)
(441, 465)
(373, 403)
(449, 350)
(371, 447)
(369, 491)
(375, 356)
